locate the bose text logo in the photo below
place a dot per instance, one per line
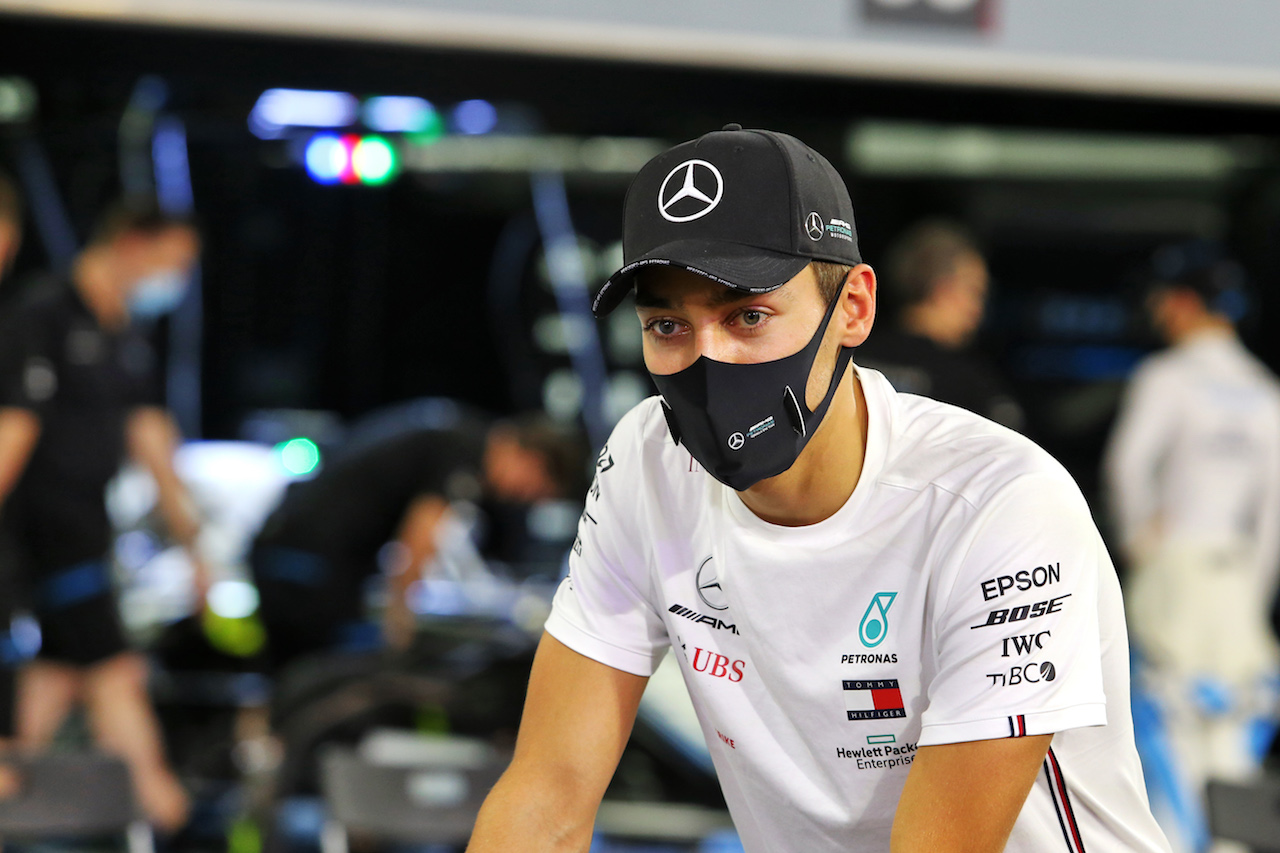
(700, 183)
(1026, 611)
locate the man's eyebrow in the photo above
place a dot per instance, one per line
(727, 296)
(645, 299)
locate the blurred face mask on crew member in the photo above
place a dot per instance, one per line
(157, 294)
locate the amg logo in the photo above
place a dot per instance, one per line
(695, 616)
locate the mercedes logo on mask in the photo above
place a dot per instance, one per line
(699, 186)
(813, 225)
(736, 441)
(709, 589)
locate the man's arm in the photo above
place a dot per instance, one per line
(577, 718)
(965, 797)
(19, 432)
(415, 544)
(152, 438)
(1141, 435)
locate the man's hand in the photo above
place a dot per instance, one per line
(577, 719)
(398, 624)
(965, 797)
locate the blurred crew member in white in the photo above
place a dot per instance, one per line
(1193, 471)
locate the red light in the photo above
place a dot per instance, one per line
(349, 176)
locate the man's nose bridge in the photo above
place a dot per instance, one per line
(715, 342)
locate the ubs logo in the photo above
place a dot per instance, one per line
(709, 588)
(700, 182)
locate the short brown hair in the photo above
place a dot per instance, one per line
(562, 449)
(831, 278)
(137, 214)
(927, 253)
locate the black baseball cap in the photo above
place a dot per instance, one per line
(746, 208)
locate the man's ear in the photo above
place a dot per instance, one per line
(858, 305)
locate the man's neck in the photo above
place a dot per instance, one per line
(1207, 326)
(95, 281)
(823, 478)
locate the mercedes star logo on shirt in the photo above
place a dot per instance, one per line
(699, 182)
(709, 589)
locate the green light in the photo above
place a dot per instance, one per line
(299, 455)
(374, 160)
(431, 132)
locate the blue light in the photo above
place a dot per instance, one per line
(278, 109)
(326, 158)
(475, 117)
(398, 114)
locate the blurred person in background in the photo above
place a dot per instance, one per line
(1193, 472)
(10, 242)
(78, 390)
(937, 278)
(10, 224)
(381, 508)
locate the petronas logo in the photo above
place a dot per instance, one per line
(875, 622)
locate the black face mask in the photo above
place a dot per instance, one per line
(747, 422)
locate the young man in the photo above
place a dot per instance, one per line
(897, 622)
(1193, 470)
(78, 391)
(939, 280)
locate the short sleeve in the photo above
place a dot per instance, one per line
(603, 609)
(1017, 638)
(29, 373)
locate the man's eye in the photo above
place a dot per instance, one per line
(752, 318)
(663, 328)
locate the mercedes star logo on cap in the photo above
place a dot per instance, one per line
(736, 441)
(700, 182)
(813, 224)
(709, 589)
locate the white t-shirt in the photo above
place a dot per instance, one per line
(962, 593)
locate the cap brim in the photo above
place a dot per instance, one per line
(745, 268)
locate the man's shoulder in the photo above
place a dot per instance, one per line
(41, 301)
(641, 450)
(940, 446)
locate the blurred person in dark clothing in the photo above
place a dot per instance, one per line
(10, 223)
(381, 509)
(78, 391)
(938, 279)
(10, 242)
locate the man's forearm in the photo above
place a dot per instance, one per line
(529, 812)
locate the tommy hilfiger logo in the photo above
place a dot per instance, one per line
(873, 699)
